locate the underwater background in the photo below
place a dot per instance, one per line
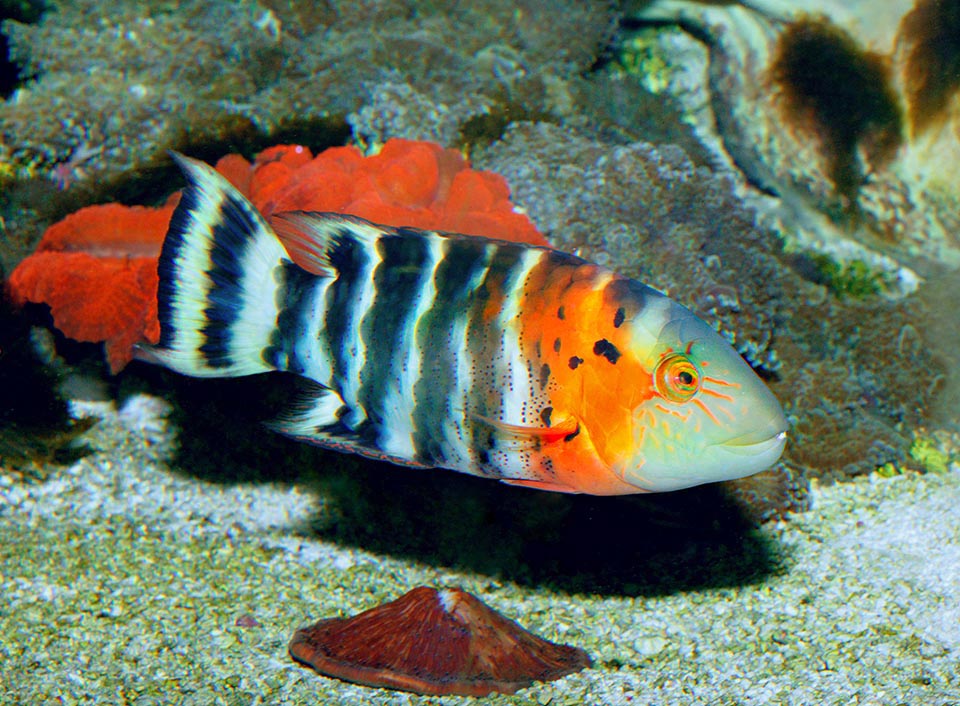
(784, 169)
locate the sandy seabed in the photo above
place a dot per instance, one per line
(124, 581)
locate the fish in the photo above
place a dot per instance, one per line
(427, 349)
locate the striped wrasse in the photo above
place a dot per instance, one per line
(498, 359)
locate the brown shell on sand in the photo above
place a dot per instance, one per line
(432, 641)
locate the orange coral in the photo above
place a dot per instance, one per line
(96, 269)
(110, 230)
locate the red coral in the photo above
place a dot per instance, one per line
(418, 184)
(110, 230)
(96, 269)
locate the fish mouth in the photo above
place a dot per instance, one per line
(754, 444)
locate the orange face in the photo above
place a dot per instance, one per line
(661, 400)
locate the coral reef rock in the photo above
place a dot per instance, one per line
(844, 111)
(112, 86)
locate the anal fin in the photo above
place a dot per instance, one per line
(540, 485)
(318, 417)
(346, 445)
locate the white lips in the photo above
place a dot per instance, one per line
(760, 454)
(748, 445)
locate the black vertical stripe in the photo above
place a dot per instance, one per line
(630, 296)
(484, 345)
(168, 274)
(294, 302)
(399, 280)
(232, 235)
(558, 258)
(349, 258)
(455, 298)
(544, 376)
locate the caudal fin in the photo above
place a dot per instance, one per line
(217, 296)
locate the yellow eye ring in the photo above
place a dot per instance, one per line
(677, 378)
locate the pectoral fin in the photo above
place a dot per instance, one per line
(536, 435)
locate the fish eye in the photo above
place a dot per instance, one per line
(677, 378)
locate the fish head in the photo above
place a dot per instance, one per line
(705, 415)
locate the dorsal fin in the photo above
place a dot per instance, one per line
(307, 236)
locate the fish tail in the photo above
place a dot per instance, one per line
(218, 272)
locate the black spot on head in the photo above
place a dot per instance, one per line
(834, 89)
(574, 362)
(545, 414)
(607, 350)
(561, 314)
(619, 317)
(930, 35)
(556, 345)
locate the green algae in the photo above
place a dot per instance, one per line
(930, 454)
(107, 89)
(854, 279)
(638, 54)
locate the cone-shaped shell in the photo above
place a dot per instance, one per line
(432, 641)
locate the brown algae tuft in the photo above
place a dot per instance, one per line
(833, 88)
